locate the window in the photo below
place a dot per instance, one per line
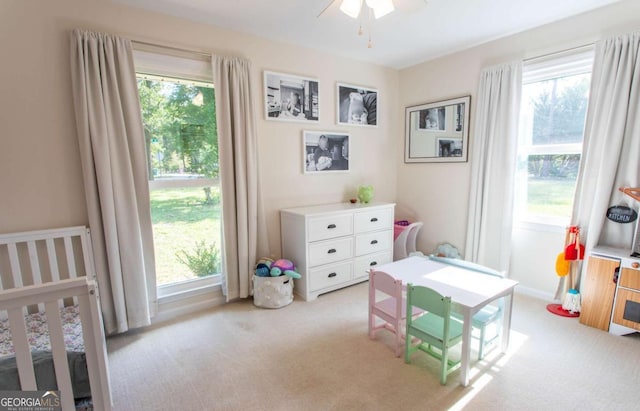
(178, 114)
(555, 94)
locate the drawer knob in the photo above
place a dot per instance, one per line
(374, 219)
(331, 226)
(332, 275)
(374, 242)
(373, 263)
(331, 251)
(635, 265)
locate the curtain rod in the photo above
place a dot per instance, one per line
(178, 49)
(584, 46)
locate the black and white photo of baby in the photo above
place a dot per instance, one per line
(325, 151)
(357, 105)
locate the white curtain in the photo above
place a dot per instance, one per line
(493, 163)
(611, 147)
(112, 148)
(244, 225)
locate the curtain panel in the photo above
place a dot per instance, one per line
(244, 225)
(493, 163)
(611, 145)
(112, 149)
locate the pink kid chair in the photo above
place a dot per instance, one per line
(392, 308)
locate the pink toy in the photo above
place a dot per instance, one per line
(283, 264)
(285, 267)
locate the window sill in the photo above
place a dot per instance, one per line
(182, 295)
(185, 289)
(204, 296)
(538, 226)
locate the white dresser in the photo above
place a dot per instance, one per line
(334, 245)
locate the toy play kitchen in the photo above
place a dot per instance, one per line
(611, 287)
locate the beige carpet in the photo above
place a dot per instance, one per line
(317, 356)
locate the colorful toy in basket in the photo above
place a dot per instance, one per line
(263, 267)
(266, 267)
(285, 267)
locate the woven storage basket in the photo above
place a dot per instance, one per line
(272, 292)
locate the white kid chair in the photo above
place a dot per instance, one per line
(405, 244)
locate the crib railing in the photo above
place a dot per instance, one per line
(49, 295)
(38, 257)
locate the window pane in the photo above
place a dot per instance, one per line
(182, 156)
(552, 122)
(551, 184)
(557, 108)
(186, 233)
(180, 129)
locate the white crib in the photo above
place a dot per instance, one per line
(43, 272)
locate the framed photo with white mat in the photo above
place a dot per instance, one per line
(325, 152)
(356, 105)
(291, 98)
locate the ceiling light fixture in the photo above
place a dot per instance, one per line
(380, 8)
(356, 9)
(351, 8)
(377, 8)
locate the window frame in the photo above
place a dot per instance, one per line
(549, 67)
(194, 70)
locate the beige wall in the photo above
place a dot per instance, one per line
(437, 194)
(40, 171)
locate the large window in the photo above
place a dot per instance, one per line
(555, 95)
(182, 155)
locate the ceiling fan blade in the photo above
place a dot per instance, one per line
(326, 8)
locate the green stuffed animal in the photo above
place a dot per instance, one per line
(365, 194)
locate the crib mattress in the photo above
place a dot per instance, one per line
(38, 334)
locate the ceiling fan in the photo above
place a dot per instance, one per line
(383, 7)
(368, 9)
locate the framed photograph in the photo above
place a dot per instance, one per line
(433, 119)
(458, 117)
(325, 152)
(449, 147)
(357, 106)
(290, 98)
(437, 132)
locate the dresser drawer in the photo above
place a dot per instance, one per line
(329, 276)
(373, 242)
(364, 264)
(323, 228)
(330, 251)
(373, 220)
(630, 278)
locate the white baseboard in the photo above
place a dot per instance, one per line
(535, 293)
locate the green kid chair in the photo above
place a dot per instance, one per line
(489, 314)
(435, 328)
